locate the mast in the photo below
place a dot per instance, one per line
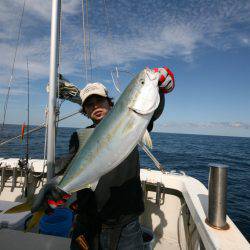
(53, 81)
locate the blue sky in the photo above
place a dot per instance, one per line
(205, 43)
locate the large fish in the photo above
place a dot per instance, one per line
(117, 134)
(112, 140)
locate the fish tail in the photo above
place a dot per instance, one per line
(24, 207)
(34, 220)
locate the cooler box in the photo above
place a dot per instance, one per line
(12, 221)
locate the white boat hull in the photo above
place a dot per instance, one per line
(176, 215)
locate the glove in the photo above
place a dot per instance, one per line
(166, 79)
(49, 197)
(82, 242)
(56, 197)
(79, 239)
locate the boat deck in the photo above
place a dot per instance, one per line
(175, 212)
(18, 240)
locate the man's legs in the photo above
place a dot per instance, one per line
(130, 238)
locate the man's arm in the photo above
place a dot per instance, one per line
(73, 143)
(62, 163)
(86, 224)
(49, 196)
(166, 85)
(157, 112)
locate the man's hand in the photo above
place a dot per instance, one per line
(56, 197)
(166, 79)
(82, 242)
(49, 197)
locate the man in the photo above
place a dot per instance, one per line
(107, 215)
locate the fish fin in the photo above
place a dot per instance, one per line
(93, 185)
(24, 207)
(34, 220)
(146, 140)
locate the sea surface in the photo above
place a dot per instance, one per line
(180, 152)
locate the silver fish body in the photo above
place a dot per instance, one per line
(116, 135)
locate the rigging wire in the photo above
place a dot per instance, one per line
(84, 41)
(116, 81)
(88, 29)
(26, 180)
(28, 113)
(110, 36)
(38, 128)
(87, 55)
(13, 65)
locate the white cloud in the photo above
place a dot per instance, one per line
(209, 125)
(139, 32)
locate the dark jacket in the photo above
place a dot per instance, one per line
(118, 197)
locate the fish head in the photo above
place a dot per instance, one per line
(145, 98)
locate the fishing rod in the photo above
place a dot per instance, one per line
(43, 125)
(151, 156)
(13, 65)
(28, 114)
(26, 161)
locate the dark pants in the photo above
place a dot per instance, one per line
(130, 237)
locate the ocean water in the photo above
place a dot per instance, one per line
(180, 152)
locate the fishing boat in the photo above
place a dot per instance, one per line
(180, 212)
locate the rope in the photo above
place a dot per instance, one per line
(115, 84)
(178, 225)
(116, 80)
(13, 65)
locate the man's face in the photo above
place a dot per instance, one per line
(96, 107)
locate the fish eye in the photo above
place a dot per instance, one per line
(142, 82)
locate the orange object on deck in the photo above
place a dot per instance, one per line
(22, 131)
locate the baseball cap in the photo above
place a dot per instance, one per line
(95, 88)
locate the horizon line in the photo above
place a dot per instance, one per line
(163, 132)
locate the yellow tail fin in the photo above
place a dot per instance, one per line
(24, 207)
(34, 220)
(146, 140)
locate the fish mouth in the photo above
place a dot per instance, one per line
(135, 111)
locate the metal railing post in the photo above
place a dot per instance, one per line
(217, 197)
